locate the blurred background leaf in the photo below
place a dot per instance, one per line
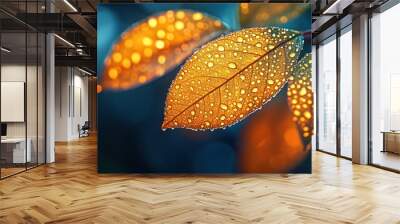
(271, 142)
(300, 96)
(155, 45)
(273, 14)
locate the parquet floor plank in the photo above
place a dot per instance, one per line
(71, 191)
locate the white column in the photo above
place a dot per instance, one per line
(50, 99)
(62, 103)
(360, 90)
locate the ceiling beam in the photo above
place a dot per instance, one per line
(78, 61)
(337, 7)
(84, 24)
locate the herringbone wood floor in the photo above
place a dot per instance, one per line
(70, 191)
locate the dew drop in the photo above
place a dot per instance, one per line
(242, 77)
(180, 14)
(117, 57)
(224, 107)
(239, 39)
(192, 112)
(161, 59)
(239, 105)
(292, 55)
(210, 64)
(303, 91)
(232, 65)
(152, 22)
(160, 44)
(147, 41)
(222, 118)
(307, 115)
(254, 90)
(179, 25)
(161, 34)
(126, 63)
(113, 73)
(197, 16)
(242, 91)
(221, 48)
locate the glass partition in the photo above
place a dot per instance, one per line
(327, 96)
(22, 88)
(385, 89)
(14, 153)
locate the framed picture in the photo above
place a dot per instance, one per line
(204, 88)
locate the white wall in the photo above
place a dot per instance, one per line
(10, 73)
(62, 82)
(71, 102)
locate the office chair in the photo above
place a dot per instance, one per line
(84, 130)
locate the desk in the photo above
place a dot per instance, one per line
(15, 148)
(391, 141)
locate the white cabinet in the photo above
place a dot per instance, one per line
(19, 154)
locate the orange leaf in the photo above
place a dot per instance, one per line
(231, 77)
(300, 96)
(156, 45)
(271, 142)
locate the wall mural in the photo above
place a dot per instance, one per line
(204, 88)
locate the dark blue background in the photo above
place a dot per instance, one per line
(130, 138)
